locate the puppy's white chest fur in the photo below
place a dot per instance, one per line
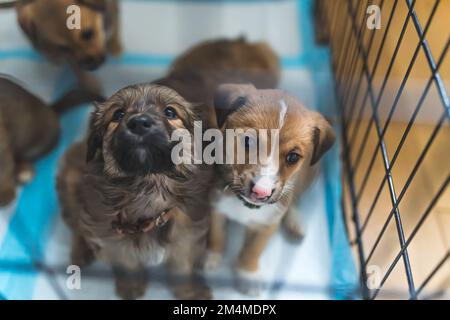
(233, 208)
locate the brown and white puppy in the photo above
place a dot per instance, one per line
(45, 24)
(260, 195)
(129, 205)
(29, 128)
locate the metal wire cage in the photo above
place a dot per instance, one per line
(392, 77)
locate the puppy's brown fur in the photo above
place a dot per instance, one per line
(252, 62)
(197, 73)
(29, 128)
(303, 132)
(94, 194)
(44, 23)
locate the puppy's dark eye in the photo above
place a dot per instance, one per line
(118, 115)
(292, 157)
(87, 34)
(170, 113)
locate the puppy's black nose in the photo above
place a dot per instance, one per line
(140, 124)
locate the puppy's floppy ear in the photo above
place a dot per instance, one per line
(228, 98)
(94, 143)
(95, 138)
(98, 5)
(26, 20)
(323, 138)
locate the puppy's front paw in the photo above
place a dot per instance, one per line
(25, 173)
(293, 228)
(248, 282)
(130, 289)
(212, 260)
(192, 291)
(7, 196)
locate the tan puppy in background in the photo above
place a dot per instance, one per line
(85, 49)
(261, 195)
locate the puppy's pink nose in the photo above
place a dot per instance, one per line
(263, 188)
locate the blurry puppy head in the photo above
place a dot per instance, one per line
(130, 132)
(256, 63)
(304, 136)
(45, 24)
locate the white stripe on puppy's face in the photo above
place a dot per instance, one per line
(272, 166)
(282, 116)
(269, 173)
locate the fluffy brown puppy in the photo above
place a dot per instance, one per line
(29, 129)
(129, 205)
(45, 24)
(260, 195)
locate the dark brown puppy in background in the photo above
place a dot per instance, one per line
(129, 205)
(29, 128)
(253, 62)
(198, 72)
(85, 49)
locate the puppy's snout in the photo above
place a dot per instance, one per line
(140, 124)
(93, 62)
(262, 188)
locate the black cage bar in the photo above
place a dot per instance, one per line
(358, 50)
